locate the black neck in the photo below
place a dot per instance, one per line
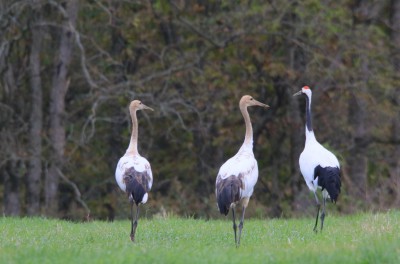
(308, 114)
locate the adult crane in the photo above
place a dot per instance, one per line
(238, 175)
(319, 167)
(133, 173)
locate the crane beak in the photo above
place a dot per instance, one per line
(146, 107)
(260, 104)
(298, 93)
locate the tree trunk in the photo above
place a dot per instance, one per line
(8, 136)
(36, 117)
(57, 108)
(395, 35)
(357, 161)
(395, 24)
(297, 130)
(296, 147)
(11, 190)
(395, 166)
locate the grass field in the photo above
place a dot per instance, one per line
(361, 238)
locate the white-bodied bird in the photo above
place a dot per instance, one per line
(238, 175)
(319, 167)
(133, 173)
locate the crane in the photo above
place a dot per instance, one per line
(133, 173)
(238, 175)
(319, 167)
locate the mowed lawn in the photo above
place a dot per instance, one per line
(361, 238)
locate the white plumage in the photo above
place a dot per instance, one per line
(133, 173)
(319, 167)
(238, 175)
(315, 154)
(243, 165)
(140, 164)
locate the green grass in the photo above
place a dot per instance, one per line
(361, 238)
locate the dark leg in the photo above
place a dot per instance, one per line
(318, 207)
(241, 225)
(132, 203)
(323, 213)
(234, 223)
(134, 224)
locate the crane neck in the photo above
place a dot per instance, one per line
(308, 114)
(310, 137)
(132, 148)
(248, 139)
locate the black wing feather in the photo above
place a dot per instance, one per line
(329, 179)
(136, 184)
(228, 192)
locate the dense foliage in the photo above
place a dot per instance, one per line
(192, 61)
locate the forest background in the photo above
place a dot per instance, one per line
(68, 70)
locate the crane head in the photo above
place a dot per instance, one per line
(305, 90)
(138, 105)
(248, 100)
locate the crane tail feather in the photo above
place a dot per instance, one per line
(228, 192)
(136, 184)
(329, 179)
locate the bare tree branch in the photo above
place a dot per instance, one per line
(78, 195)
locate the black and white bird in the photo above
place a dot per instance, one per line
(133, 173)
(319, 167)
(238, 175)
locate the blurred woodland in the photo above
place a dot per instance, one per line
(68, 70)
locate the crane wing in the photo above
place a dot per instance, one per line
(137, 165)
(243, 166)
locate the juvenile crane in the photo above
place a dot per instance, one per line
(238, 175)
(133, 173)
(319, 167)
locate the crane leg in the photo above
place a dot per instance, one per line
(241, 225)
(134, 223)
(323, 212)
(234, 224)
(318, 207)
